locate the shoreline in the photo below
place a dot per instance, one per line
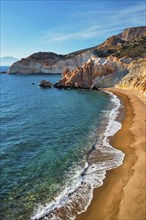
(122, 195)
(83, 183)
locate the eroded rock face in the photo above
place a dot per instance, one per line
(130, 33)
(97, 72)
(50, 64)
(107, 72)
(119, 61)
(127, 35)
(121, 45)
(136, 77)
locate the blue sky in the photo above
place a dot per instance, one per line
(64, 26)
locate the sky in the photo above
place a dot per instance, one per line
(64, 26)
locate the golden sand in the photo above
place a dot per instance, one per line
(123, 195)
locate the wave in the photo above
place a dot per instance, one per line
(78, 193)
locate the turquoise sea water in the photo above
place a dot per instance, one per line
(46, 135)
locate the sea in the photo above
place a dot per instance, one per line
(54, 147)
(4, 68)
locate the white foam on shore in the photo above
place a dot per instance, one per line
(78, 193)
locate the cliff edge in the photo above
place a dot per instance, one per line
(119, 61)
(136, 77)
(123, 65)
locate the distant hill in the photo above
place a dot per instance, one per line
(7, 61)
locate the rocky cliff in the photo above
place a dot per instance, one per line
(119, 61)
(98, 72)
(107, 72)
(52, 63)
(48, 63)
(136, 77)
(131, 33)
(124, 60)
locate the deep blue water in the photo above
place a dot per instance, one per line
(4, 68)
(45, 137)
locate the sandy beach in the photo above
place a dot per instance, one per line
(123, 195)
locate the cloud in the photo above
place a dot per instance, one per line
(97, 24)
(87, 33)
(130, 15)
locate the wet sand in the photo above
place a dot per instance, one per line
(123, 195)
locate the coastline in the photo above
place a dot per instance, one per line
(92, 175)
(122, 196)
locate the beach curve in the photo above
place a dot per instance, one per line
(122, 196)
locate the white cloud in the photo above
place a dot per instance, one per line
(87, 33)
(97, 23)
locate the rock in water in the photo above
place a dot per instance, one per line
(45, 84)
(3, 72)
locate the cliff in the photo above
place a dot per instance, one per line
(98, 72)
(136, 77)
(122, 65)
(107, 72)
(119, 61)
(52, 63)
(48, 63)
(131, 33)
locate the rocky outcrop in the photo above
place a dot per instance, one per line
(45, 84)
(3, 72)
(48, 63)
(136, 77)
(119, 61)
(36, 63)
(127, 49)
(97, 72)
(120, 40)
(107, 72)
(131, 33)
(121, 45)
(130, 43)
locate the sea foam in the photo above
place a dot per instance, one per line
(78, 193)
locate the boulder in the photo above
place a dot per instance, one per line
(45, 84)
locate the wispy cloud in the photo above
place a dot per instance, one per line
(87, 33)
(134, 15)
(93, 24)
